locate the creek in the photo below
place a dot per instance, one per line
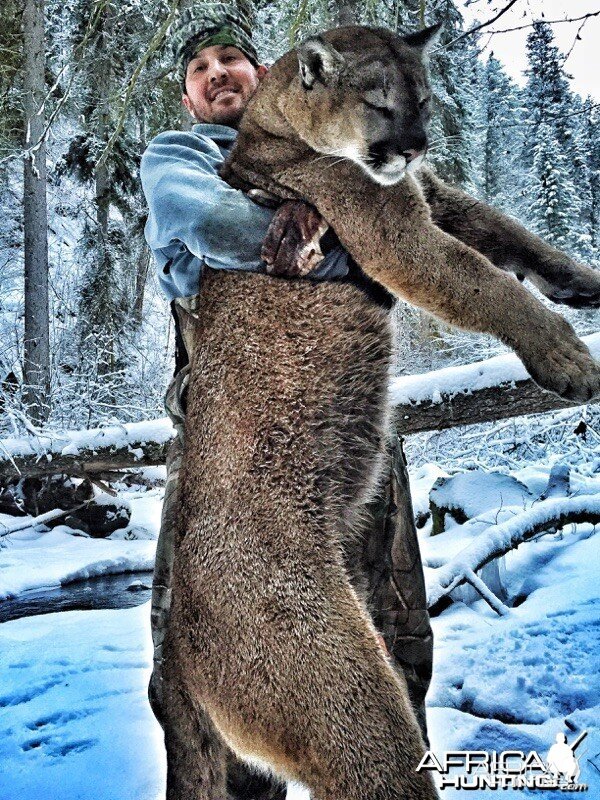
(104, 591)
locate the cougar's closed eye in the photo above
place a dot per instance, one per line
(385, 112)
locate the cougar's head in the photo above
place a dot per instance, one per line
(365, 95)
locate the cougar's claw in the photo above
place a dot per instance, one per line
(577, 286)
(292, 244)
(576, 299)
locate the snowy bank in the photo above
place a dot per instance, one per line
(31, 559)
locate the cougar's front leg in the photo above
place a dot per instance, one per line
(390, 233)
(509, 245)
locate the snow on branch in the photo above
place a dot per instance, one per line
(484, 391)
(499, 539)
(134, 444)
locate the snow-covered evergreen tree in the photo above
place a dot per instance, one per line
(502, 137)
(585, 168)
(556, 189)
(553, 193)
(547, 94)
(455, 78)
(591, 137)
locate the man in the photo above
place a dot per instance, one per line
(197, 220)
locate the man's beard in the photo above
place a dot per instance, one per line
(225, 116)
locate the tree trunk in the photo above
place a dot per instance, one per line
(346, 12)
(103, 78)
(36, 361)
(141, 274)
(185, 121)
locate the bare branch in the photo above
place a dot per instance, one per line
(575, 40)
(481, 25)
(548, 22)
(487, 594)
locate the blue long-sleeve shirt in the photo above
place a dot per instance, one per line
(195, 218)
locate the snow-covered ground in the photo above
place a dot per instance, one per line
(34, 559)
(75, 722)
(74, 717)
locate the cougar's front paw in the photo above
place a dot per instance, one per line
(577, 286)
(564, 366)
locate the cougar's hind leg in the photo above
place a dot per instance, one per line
(367, 737)
(196, 754)
(317, 700)
(170, 707)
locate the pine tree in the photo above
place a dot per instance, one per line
(591, 135)
(455, 77)
(553, 206)
(547, 94)
(584, 169)
(553, 192)
(11, 65)
(502, 136)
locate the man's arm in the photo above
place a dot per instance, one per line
(196, 218)
(191, 204)
(508, 245)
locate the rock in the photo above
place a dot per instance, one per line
(138, 586)
(470, 494)
(100, 517)
(559, 482)
(43, 493)
(9, 504)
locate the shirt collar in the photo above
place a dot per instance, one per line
(221, 134)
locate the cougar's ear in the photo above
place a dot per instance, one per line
(318, 61)
(426, 39)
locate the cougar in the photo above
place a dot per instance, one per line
(270, 651)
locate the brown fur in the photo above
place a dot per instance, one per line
(269, 648)
(286, 425)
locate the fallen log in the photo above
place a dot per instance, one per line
(485, 391)
(89, 452)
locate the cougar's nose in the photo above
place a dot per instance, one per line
(417, 146)
(410, 155)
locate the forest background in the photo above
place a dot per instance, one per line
(86, 340)
(89, 340)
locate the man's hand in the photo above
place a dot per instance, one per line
(292, 246)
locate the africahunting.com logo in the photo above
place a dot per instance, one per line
(510, 769)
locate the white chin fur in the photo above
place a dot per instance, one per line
(386, 177)
(414, 165)
(390, 173)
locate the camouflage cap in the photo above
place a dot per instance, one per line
(210, 23)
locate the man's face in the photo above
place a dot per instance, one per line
(219, 82)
